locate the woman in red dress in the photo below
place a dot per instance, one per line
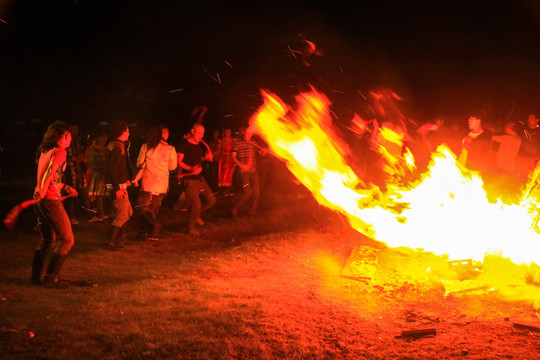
(226, 163)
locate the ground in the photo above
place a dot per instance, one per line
(268, 286)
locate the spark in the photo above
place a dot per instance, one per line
(4, 21)
(338, 91)
(213, 78)
(292, 52)
(340, 68)
(219, 79)
(226, 62)
(334, 115)
(362, 95)
(175, 90)
(229, 115)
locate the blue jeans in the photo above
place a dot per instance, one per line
(54, 226)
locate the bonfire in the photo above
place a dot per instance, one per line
(478, 243)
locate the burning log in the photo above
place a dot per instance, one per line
(527, 326)
(468, 290)
(416, 334)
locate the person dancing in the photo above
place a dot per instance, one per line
(52, 220)
(190, 157)
(226, 163)
(156, 158)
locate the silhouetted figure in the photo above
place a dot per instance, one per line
(96, 181)
(476, 153)
(73, 175)
(119, 175)
(529, 152)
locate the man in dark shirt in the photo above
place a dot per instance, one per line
(476, 151)
(529, 151)
(190, 157)
(119, 175)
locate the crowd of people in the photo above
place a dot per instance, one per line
(504, 156)
(98, 176)
(70, 177)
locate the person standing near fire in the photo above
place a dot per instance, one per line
(211, 170)
(52, 219)
(529, 152)
(119, 175)
(96, 180)
(156, 158)
(505, 182)
(73, 174)
(476, 152)
(244, 154)
(191, 155)
(226, 163)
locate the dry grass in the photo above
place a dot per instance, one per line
(267, 287)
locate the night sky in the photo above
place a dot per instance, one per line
(90, 61)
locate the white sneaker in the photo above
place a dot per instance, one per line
(95, 219)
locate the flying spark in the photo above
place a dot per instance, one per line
(292, 52)
(213, 78)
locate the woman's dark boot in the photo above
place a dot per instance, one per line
(123, 234)
(51, 276)
(37, 267)
(114, 241)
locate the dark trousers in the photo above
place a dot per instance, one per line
(148, 206)
(251, 188)
(122, 212)
(195, 188)
(54, 227)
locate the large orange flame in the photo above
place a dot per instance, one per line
(446, 212)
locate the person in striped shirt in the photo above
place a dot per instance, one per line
(244, 154)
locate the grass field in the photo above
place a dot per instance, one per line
(261, 287)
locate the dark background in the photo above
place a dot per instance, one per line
(90, 62)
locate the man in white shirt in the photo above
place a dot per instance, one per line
(156, 158)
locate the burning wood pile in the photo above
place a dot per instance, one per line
(440, 225)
